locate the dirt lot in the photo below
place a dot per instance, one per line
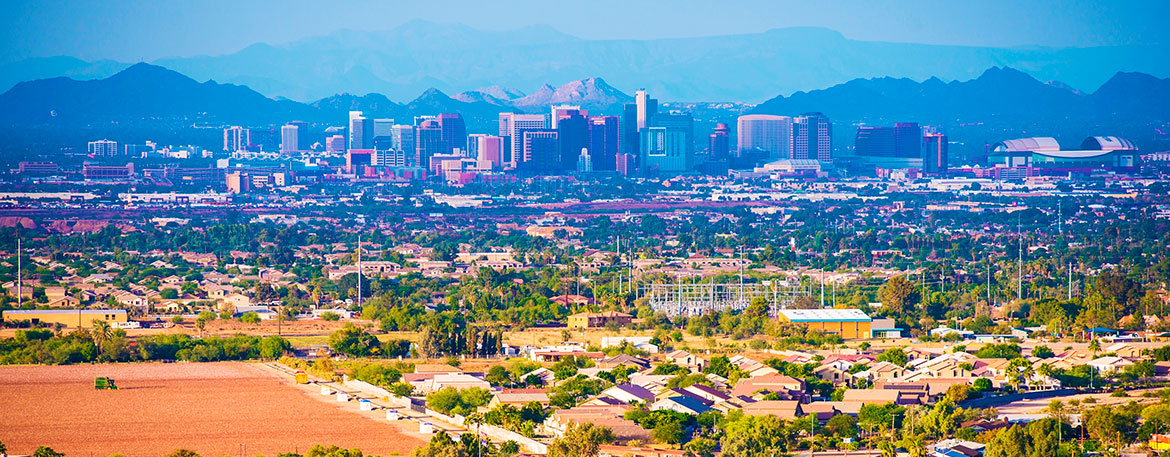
(211, 408)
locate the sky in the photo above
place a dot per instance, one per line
(143, 30)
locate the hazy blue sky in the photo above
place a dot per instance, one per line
(131, 30)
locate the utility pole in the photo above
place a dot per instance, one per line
(19, 277)
(1020, 263)
(619, 255)
(1070, 280)
(989, 282)
(1059, 217)
(359, 271)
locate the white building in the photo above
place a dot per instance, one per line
(103, 148)
(765, 132)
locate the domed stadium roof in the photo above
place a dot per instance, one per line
(1106, 143)
(1038, 144)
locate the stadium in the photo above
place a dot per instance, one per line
(1044, 155)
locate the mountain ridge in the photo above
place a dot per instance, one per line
(403, 61)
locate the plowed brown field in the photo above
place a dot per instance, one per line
(211, 408)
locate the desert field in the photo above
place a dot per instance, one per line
(215, 409)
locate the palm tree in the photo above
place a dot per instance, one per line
(101, 334)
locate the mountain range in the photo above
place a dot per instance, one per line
(1003, 94)
(153, 96)
(145, 93)
(419, 55)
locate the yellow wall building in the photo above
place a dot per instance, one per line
(68, 317)
(848, 323)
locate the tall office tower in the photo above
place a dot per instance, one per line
(718, 143)
(382, 128)
(454, 131)
(668, 144)
(428, 142)
(572, 135)
(471, 149)
(418, 120)
(629, 141)
(584, 162)
(907, 139)
(541, 151)
(603, 142)
(236, 139)
(290, 139)
(764, 133)
(563, 110)
(361, 131)
(488, 148)
(874, 142)
(812, 137)
(934, 153)
(512, 128)
(335, 144)
(304, 140)
(402, 138)
(647, 108)
(104, 148)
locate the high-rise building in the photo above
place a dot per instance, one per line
(236, 139)
(541, 151)
(584, 162)
(391, 157)
(764, 133)
(103, 148)
(402, 139)
(304, 140)
(647, 108)
(603, 142)
(512, 128)
(428, 142)
(899, 146)
(564, 110)
(812, 137)
(628, 132)
(361, 131)
(335, 144)
(907, 139)
(454, 131)
(668, 144)
(290, 137)
(572, 135)
(355, 159)
(382, 127)
(934, 153)
(874, 142)
(486, 148)
(139, 150)
(718, 143)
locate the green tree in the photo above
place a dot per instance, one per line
(273, 347)
(580, 440)
(45, 451)
(897, 294)
(354, 341)
(895, 356)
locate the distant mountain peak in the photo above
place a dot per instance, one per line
(585, 92)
